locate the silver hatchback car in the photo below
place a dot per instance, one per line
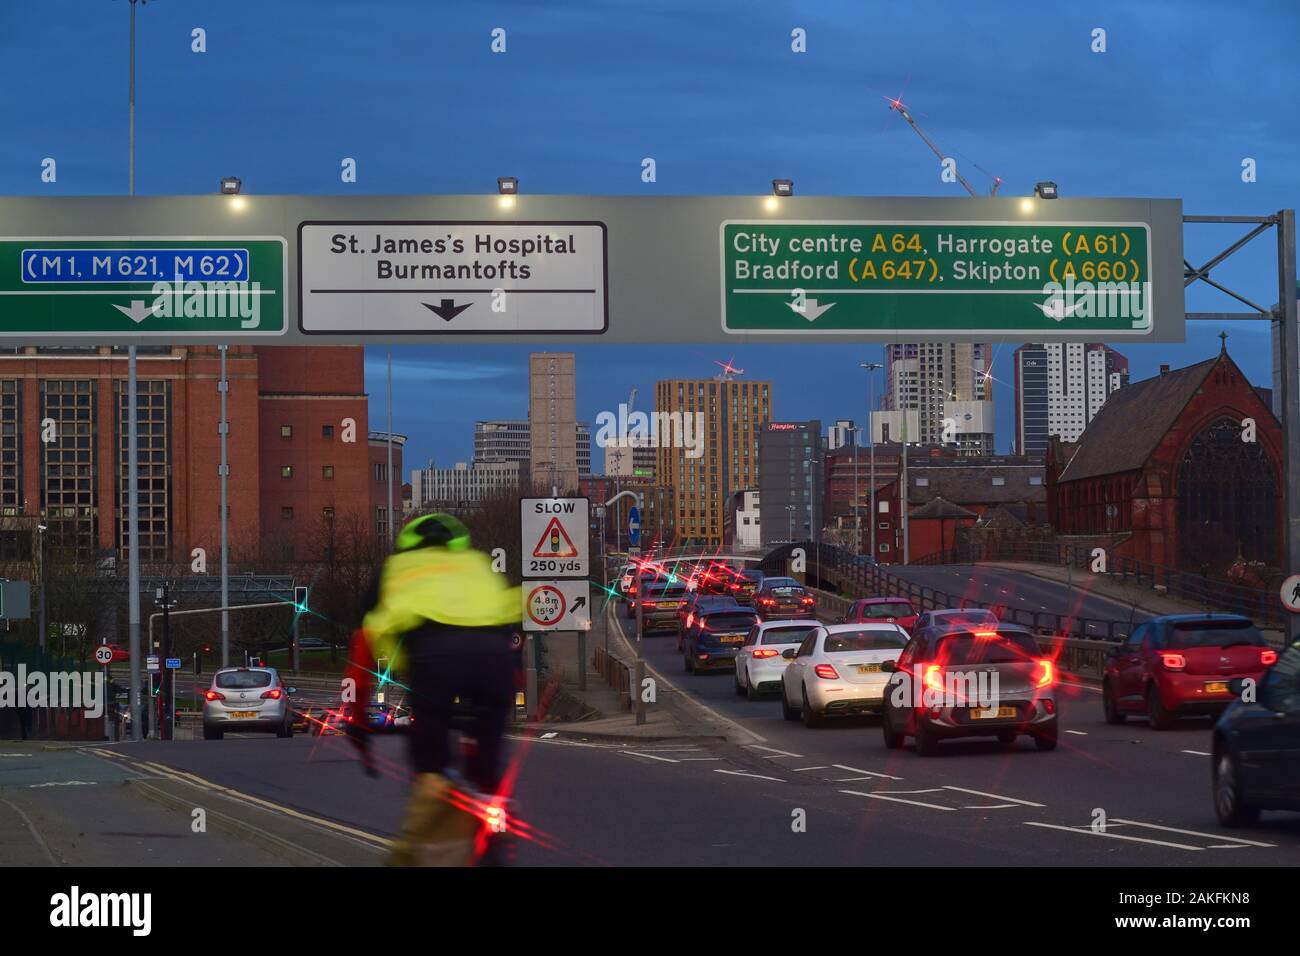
(247, 699)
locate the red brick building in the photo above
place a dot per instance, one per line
(380, 478)
(296, 448)
(1167, 472)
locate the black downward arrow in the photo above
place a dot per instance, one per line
(447, 309)
(579, 602)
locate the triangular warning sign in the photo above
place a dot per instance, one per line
(555, 542)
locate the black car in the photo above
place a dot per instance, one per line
(1256, 750)
(778, 598)
(657, 608)
(715, 636)
(695, 603)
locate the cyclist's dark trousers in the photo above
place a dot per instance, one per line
(476, 665)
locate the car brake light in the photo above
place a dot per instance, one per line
(1268, 658)
(767, 601)
(933, 676)
(273, 694)
(809, 600)
(1173, 662)
(213, 695)
(735, 587)
(690, 618)
(764, 652)
(703, 657)
(986, 633)
(1048, 677)
(826, 671)
(649, 603)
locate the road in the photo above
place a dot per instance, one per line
(791, 796)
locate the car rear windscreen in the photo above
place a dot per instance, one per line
(780, 583)
(752, 575)
(665, 590)
(1190, 634)
(864, 641)
(970, 615)
(998, 648)
(729, 621)
(785, 635)
(874, 611)
(243, 680)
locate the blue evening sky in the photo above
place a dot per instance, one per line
(1186, 90)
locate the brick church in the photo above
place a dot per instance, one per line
(1166, 472)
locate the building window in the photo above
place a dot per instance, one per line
(327, 431)
(381, 471)
(286, 431)
(884, 548)
(998, 481)
(922, 482)
(286, 513)
(328, 513)
(327, 471)
(153, 399)
(286, 471)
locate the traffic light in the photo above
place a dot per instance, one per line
(300, 599)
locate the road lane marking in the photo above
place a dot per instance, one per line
(996, 796)
(697, 759)
(61, 783)
(634, 753)
(1077, 733)
(1088, 831)
(755, 776)
(1208, 836)
(990, 806)
(915, 803)
(866, 773)
(548, 735)
(803, 769)
(773, 750)
(36, 835)
(1197, 753)
(15, 755)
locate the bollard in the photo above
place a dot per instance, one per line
(635, 690)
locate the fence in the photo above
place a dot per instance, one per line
(617, 673)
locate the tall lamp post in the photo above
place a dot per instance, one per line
(871, 404)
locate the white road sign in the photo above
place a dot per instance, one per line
(557, 606)
(554, 539)
(452, 277)
(1291, 593)
(104, 654)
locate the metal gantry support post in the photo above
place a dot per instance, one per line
(223, 386)
(1289, 346)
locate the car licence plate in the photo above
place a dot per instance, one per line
(868, 668)
(669, 604)
(1216, 687)
(244, 715)
(992, 713)
(731, 638)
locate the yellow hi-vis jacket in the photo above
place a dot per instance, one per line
(455, 588)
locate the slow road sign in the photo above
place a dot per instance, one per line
(835, 277)
(142, 286)
(555, 537)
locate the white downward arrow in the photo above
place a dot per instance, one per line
(1058, 309)
(137, 312)
(811, 309)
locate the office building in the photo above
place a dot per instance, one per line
(552, 421)
(464, 484)
(1060, 388)
(841, 434)
(937, 393)
(790, 486)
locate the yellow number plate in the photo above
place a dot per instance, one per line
(732, 638)
(992, 713)
(1216, 687)
(868, 668)
(244, 715)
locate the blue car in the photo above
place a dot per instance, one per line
(715, 636)
(1256, 749)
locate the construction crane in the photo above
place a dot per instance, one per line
(897, 106)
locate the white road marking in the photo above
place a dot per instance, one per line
(773, 750)
(61, 783)
(696, 759)
(633, 753)
(915, 803)
(742, 773)
(1197, 753)
(15, 755)
(1088, 831)
(1077, 733)
(1208, 836)
(865, 773)
(991, 806)
(802, 769)
(996, 796)
(548, 736)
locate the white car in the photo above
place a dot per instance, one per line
(759, 664)
(836, 671)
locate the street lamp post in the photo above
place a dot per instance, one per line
(871, 402)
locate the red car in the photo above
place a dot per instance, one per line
(889, 610)
(1181, 665)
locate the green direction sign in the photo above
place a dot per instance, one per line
(142, 286)
(1001, 277)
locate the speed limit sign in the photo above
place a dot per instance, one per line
(103, 655)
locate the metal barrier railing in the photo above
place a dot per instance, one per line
(617, 673)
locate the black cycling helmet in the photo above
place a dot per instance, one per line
(438, 530)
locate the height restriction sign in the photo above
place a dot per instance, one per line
(555, 537)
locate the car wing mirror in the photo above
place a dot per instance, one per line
(790, 653)
(292, 690)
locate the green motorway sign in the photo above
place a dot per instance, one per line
(142, 286)
(1001, 277)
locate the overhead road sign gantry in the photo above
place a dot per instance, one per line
(608, 269)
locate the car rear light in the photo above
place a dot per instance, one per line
(766, 601)
(986, 633)
(1049, 705)
(273, 694)
(1173, 662)
(689, 619)
(1268, 658)
(933, 678)
(213, 695)
(703, 657)
(809, 600)
(735, 587)
(762, 652)
(1048, 676)
(826, 671)
(649, 603)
